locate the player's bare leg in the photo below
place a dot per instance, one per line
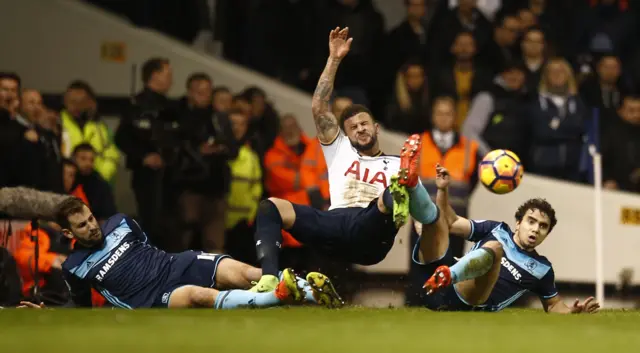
(233, 274)
(287, 291)
(434, 240)
(474, 275)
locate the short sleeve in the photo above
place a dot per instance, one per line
(480, 229)
(547, 287)
(332, 149)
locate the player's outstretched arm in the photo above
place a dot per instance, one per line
(557, 306)
(457, 225)
(327, 124)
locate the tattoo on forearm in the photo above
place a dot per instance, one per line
(324, 89)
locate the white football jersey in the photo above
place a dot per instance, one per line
(355, 180)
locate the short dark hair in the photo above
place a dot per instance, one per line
(537, 204)
(220, 89)
(66, 208)
(69, 162)
(234, 111)
(198, 76)
(152, 66)
(252, 91)
(352, 111)
(83, 147)
(82, 86)
(11, 76)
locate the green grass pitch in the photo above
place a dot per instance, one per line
(310, 330)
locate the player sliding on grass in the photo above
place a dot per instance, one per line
(369, 202)
(117, 261)
(501, 267)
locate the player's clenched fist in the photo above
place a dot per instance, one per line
(339, 42)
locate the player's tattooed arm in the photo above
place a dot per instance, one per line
(326, 123)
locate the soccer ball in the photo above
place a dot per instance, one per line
(500, 171)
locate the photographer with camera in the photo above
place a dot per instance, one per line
(203, 176)
(143, 135)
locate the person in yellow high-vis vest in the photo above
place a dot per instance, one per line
(80, 126)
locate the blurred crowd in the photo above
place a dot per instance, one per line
(545, 79)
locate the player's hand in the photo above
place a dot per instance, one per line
(589, 306)
(153, 161)
(442, 177)
(31, 135)
(30, 305)
(339, 42)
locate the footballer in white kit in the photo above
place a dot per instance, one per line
(372, 193)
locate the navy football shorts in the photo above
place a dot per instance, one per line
(446, 299)
(355, 234)
(194, 268)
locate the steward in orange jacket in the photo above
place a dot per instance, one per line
(295, 170)
(48, 261)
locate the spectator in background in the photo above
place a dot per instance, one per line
(621, 149)
(558, 120)
(30, 155)
(11, 132)
(264, 123)
(245, 193)
(464, 79)
(502, 48)
(81, 123)
(240, 102)
(222, 99)
(459, 155)
(201, 179)
(605, 27)
(138, 136)
(534, 55)
(605, 90)
(339, 104)
(408, 40)
(447, 25)
(51, 282)
(527, 19)
(409, 106)
(43, 158)
(295, 168)
(498, 116)
(96, 189)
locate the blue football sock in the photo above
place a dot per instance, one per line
(474, 264)
(233, 299)
(421, 207)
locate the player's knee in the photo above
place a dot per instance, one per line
(284, 208)
(495, 247)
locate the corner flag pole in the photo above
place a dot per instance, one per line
(598, 224)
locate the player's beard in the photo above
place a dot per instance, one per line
(95, 239)
(366, 147)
